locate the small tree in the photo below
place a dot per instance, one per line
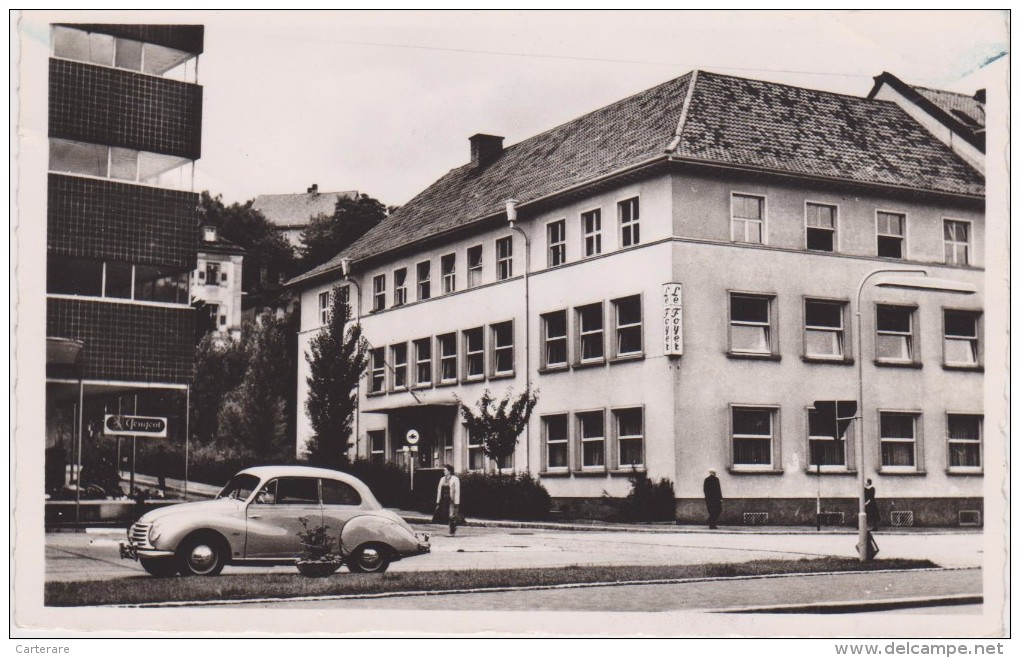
(328, 235)
(498, 423)
(337, 360)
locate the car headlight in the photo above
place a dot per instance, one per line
(153, 535)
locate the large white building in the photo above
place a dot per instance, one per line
(680, 284)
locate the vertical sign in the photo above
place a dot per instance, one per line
(673, 318)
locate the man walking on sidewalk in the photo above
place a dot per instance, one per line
(713, 498)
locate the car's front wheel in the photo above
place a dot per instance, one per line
(159, 567)
(369, 558)
(202, 554)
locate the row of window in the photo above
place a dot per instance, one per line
(600, 440)
(89, 277)
(628, 213)
(449, 358)
(755, 440)
(821, 229)
(106, 50)
(118, 163)
(754, 331)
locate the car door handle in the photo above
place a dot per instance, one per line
(254, 516)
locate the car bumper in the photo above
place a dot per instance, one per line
(129, 551)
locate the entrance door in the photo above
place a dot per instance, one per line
(274, 517)
(434, 425)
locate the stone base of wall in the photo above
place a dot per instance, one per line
(913, 512)
(839, 512)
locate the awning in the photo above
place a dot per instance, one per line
(411, 405)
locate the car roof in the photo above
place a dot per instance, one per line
(292, 470)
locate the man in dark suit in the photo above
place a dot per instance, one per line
(713, 498)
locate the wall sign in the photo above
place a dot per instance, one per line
(117, 425)
(673, 318)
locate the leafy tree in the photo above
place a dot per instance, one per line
(498, 423)
(268, 258)
(220, 364)
(253, 415)
(328, 235)
(337, 360)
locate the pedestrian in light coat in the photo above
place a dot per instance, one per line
(713, 498)
(448, 501)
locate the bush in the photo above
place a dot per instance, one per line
(213, 463)
(389, 482)
(649, 500)
(495, 496)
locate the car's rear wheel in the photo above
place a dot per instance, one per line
(202, 554)
(163, 567)
(369, 558)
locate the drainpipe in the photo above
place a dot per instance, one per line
(345, 267)
(511, 216)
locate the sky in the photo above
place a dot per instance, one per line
(383, 102)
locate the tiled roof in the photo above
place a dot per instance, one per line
(726, 120)
(295, 210)
(966, 109)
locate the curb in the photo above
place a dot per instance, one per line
(846, 607)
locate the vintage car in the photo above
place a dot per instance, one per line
(256, 518)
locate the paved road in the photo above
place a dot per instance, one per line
(713, 595)
(89, 556)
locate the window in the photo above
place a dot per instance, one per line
(894, 328)
(554, 429)
(448, 263)
(748, 219)
(630, 227)
(379, 292)
(503, 348)
(630, 436)
(378, 382)
(446, 443)
(297, 491)
(398, 361)
(591, 224)
(447, 358)
(504, 258)
(590, 329)
(81, 46)
(324, 308)
(751, 324)
(212, 274)
(592, 430)
(156, 284)
(476, 457)
(106, 50)
(823, 329)
(335, 492)
(423, 362)
(957, 242)
(821, 227)
(400, 286)
(824, 448)
(424, 280)
(960, 343)
(223, 320)
(554, 337)
(474, 353)
(118, 280)
(474, 257)
(963, 432)
(556, 234)
(628, 325)
(897, 439)
(377, 446)
(752, 436)
(890, 234)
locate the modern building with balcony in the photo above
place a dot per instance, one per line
(677, 274)
(124, 128)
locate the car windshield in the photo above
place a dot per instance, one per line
(239, 487)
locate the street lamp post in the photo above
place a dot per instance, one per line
(910, 282)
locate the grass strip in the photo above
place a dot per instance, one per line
(145, 589)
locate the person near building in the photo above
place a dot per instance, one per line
(871, 505)
(448, 501)
(713, 498)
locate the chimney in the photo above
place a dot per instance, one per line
(484, 150)
(314, 189)
(209, 233)
(979, 95)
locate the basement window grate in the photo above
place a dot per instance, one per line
(902, 518)
(756, 518)
(970, 517)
